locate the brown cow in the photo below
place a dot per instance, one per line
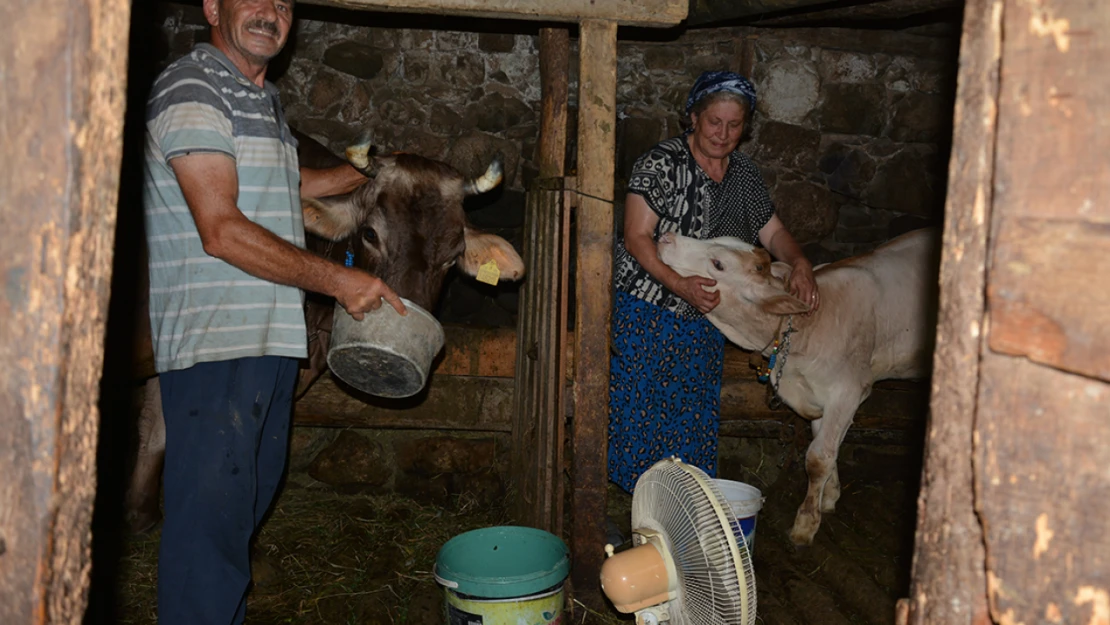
(406, 225)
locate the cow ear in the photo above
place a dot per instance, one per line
(782, 271)
(482, 247)
(783, 305)
(332, 218)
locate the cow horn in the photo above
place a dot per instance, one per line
(488, 180)
(360, 154)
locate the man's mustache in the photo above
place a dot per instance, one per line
(264, 25)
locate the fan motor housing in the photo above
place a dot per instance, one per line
(636, 579)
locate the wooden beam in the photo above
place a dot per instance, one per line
(948, 583)
(652, 13)
(853, 11)
(597, 118)
(710, 11)
(461, 402)
(64, 68)
(446, 403)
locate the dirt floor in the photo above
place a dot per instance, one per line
(331, 558)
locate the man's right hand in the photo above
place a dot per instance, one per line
(691, 289)
(359, 292)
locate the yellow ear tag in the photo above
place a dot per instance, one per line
(489, 273)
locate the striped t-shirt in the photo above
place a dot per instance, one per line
(201, 308)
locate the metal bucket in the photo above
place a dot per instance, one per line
(385, 354)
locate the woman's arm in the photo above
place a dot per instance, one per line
(639, 237)
(777, 239)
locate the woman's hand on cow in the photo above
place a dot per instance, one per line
(691, 289)
(361, 292)
(803, 285)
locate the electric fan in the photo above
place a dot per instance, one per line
(686, 566)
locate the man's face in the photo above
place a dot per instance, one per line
(255, 30)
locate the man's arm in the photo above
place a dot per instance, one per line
(331, 181)
(211, 188)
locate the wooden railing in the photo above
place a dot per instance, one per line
(471, 388)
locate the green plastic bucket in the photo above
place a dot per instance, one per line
(503, 576)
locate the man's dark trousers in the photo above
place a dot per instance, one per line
(227, 435)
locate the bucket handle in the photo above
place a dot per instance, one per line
(446, 582)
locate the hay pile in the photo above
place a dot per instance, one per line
(329, 558)
(323, 557)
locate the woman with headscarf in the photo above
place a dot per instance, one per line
(665, 376)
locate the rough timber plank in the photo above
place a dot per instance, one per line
(1044, 492)
(479, 352)
(623, 12)
(948, 566)
(1052, 239)
(1041, 432)
(63, 67)
(538, 410)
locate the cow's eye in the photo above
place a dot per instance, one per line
(449, 264)
(759, 268)
(370, 235)
(718, 265)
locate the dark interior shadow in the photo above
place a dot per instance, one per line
(148, 48)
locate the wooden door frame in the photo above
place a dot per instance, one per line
(1011, 515)
(64, 64)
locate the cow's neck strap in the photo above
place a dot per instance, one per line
(780, 351)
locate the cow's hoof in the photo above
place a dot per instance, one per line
(802, 535)
(142, 521)
(801, 540)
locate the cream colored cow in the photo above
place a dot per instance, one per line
(876, 321)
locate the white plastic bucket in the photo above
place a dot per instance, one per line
(385, 354)
(745, 501)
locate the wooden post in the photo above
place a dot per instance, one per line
(63, 67)
(597, 96)
(539, 407)
(948, 568)
(554, 86)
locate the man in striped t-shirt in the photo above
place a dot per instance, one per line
(227, 268)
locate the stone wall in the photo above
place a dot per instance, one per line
(852, 131)
(852, 127)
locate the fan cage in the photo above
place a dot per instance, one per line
(716, 583)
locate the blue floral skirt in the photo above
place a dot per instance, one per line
(664, 389)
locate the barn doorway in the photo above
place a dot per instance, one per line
(853, 142)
